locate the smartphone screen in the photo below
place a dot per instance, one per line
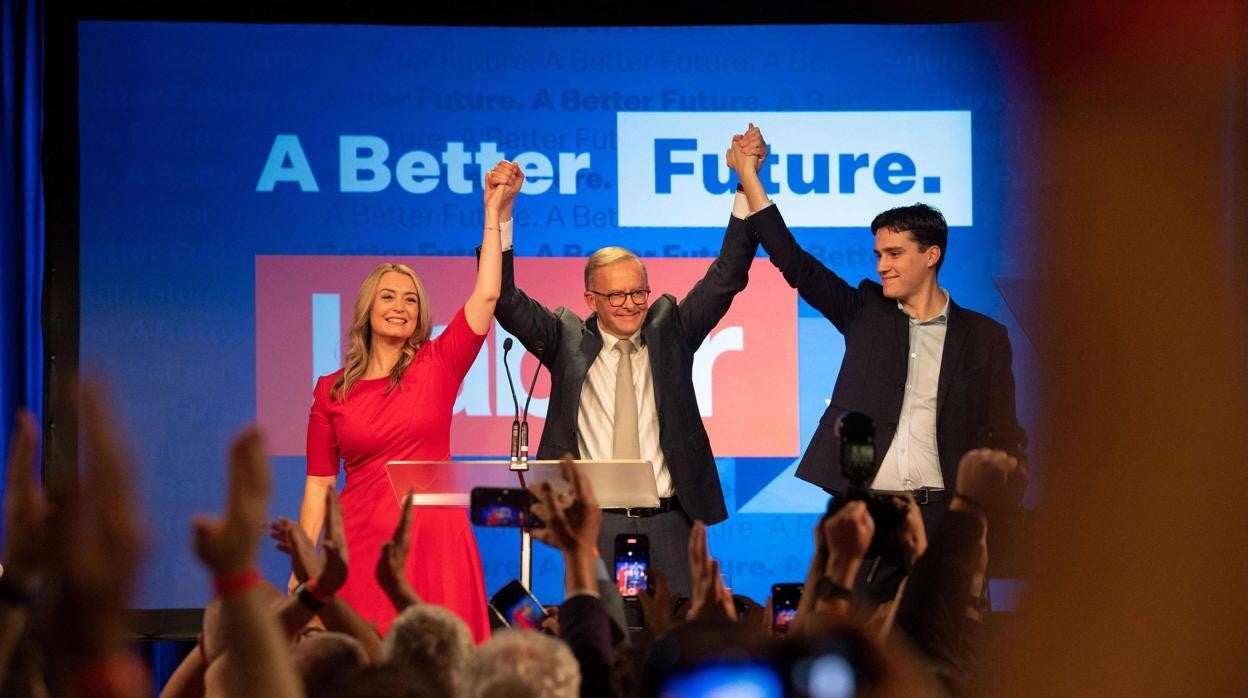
(784, 601)
(632, 560)
(526, 614)
(500, 506)
(519, 608)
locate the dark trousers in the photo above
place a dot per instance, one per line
(879, 577)
(668, 533)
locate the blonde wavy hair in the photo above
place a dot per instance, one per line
(360, 336)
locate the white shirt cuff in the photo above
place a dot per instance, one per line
(504, 233)
(741, 206)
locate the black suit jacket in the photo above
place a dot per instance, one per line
(567, 345)
(975, 390)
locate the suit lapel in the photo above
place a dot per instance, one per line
(956, 332)
(901, 333)
(653, 345)
(591, 344)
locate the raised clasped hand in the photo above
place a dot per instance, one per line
(502, 184)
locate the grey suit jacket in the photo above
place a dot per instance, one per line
(567, 345)
(975, 390)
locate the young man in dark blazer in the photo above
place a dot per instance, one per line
(656, 339)
(935, 377)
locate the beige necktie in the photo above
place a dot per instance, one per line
(625, 441)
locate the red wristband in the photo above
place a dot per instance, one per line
(316, 591)
(120, 674)
(234, 583)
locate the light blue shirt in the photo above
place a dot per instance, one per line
(913, 460)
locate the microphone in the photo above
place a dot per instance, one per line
(515, 424)
(524, 421)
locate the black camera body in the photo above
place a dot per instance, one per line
(856, 432)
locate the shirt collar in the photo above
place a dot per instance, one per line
(609, 341)
(941, 318)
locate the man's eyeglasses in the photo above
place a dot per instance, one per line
(616, 298)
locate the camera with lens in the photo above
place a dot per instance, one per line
(856, 432)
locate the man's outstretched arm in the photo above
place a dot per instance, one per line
(528, 320)
(819, 286)
(709, 299)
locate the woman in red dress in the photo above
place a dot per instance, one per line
(392, 400)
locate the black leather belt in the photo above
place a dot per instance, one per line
(923, 495)
(666, 504)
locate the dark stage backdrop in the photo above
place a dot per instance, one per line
(238, 181)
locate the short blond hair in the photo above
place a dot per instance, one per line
(611, 255)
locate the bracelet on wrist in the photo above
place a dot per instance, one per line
(308, 599)
(237, 582)
(317, 592)
(827, 589)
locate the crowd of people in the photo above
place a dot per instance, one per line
(70, 563)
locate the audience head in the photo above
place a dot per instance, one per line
(393, 681)
(522, 664)
(427, 634)
(322, 657)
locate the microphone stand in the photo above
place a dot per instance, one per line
(526, 541)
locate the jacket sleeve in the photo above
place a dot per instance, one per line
(709, 299)
(526, 319)
(932, 611)
(1002, 410)
(585, 627)
(819, 286)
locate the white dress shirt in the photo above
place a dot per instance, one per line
(913, 460)
(595, 419)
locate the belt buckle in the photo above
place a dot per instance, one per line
(628, 512)
(921, 496)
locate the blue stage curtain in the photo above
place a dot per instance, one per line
(21, 211)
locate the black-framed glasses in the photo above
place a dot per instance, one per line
(616, 298)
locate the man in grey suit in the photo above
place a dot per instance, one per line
(628, 339)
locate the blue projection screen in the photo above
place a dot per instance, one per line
(237, 181)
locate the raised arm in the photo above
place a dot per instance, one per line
(573, 520)
(528, 320)
(818, 285)
(501, 186)
(228, 547)
(709, 299)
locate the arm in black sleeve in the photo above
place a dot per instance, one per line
(585, 626)
(529, 321)
(932, 611)
(819, 286)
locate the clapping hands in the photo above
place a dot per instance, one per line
(329, 567)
